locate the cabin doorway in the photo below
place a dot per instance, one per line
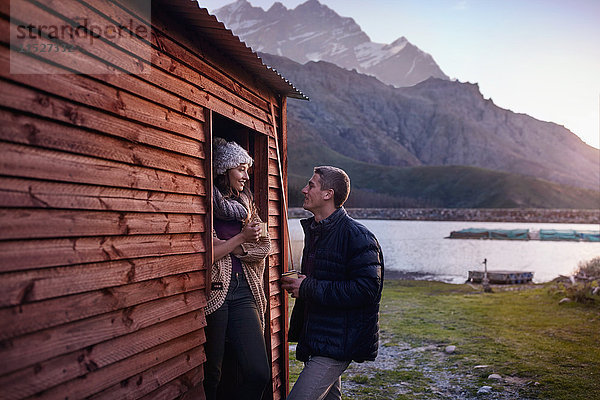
(257, 146)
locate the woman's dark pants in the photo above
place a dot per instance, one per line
(237, 324)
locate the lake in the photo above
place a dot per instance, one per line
(421, 247)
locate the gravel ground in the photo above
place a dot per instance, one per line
(431, 374)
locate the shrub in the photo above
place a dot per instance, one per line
(589, 269)
(583, 288)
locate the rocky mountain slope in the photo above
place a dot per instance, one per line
(428, 141)
(312, 32)
(435, 123)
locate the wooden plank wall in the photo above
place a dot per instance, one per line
(103, 200)
(277, 313)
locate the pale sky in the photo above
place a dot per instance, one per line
(537, 57)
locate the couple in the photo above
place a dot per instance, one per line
(335, 317)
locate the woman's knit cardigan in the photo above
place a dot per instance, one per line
(253, 265)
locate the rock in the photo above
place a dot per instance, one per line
(484, 390)
(596, 291)
(564, 300)
(494, 376)
(450, 349)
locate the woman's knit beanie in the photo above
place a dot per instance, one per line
(227, 155)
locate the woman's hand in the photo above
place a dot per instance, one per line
(251, 232)
(248, 234)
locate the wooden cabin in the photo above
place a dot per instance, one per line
(108, 111)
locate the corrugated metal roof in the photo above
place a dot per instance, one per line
(199, 20)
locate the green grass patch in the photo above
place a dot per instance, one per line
(520, 333)
(541, 349)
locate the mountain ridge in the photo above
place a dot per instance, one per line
(313, 32)
(435, 123)
(377, 186)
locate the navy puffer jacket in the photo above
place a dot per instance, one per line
(337, 312)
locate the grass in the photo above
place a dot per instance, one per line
(542, 350)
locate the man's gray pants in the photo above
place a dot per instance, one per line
(321, 379)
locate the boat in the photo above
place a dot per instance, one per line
(501, 276)
(570, 235)
(497, 234)
(525, 234)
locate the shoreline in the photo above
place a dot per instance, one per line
(397, 276)
(537, 215)
(394, 275)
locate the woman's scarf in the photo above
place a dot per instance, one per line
(231, 209)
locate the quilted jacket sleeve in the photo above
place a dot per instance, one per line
(363, 284)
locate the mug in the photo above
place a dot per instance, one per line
(291, 274)
(264, 229)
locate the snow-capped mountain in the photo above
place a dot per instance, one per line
(313, 32)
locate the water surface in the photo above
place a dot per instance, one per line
(420, 246)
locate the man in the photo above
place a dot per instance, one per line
(336, 315)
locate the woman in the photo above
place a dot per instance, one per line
(237, 303)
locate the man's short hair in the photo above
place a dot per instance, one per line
(336, 179)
